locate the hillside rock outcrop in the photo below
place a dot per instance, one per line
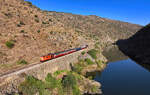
(137, 47)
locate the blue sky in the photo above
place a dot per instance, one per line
(133, 11)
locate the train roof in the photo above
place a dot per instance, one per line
(57, 53)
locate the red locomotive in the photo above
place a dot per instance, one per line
(59, 54)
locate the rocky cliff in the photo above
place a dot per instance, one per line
(137, 46)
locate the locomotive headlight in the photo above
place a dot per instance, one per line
(41, 58)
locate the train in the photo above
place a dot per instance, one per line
(62, 53)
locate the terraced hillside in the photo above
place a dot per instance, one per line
(26, 32)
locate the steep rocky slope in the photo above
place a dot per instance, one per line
(137, 46)
(26, 32)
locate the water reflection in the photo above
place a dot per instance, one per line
(113, 54)
(125, 78)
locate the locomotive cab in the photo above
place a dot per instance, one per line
(47, 57)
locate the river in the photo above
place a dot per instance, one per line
(124, 77)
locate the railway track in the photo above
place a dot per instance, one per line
(31, 66)
(13, 72)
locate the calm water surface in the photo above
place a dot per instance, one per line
(125, 78)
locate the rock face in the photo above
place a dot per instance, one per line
(138, 46)
(87, 85)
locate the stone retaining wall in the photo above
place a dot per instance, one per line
(9, 83)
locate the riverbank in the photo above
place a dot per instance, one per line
(64, 82)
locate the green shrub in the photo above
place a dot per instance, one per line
(76, 90)
(78, 76)
(99, 63)
(10, 44)
(22, 23)
(18, 25)
(77, 68)
(9, 15)
(1, 54)
(93, 53)
(37, 20)
(38, 31)
(22, 62)
(90, 77)
(52, 83)
(22, 31)
(94, 89)
(15, 94)
(31, 86)
(83, 52)
(51, 32)
(69, 80)
(97, 45)
(50, 20)
(44, 22)
(78, 31)
(70, 83)
(89, 61)
(59, 72)
(36, 16)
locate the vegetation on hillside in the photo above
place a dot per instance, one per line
(68, 84)
(78, 68)
(50, 86)
(10, 44)
(22, 62)
(93, 53)
(89, 61)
